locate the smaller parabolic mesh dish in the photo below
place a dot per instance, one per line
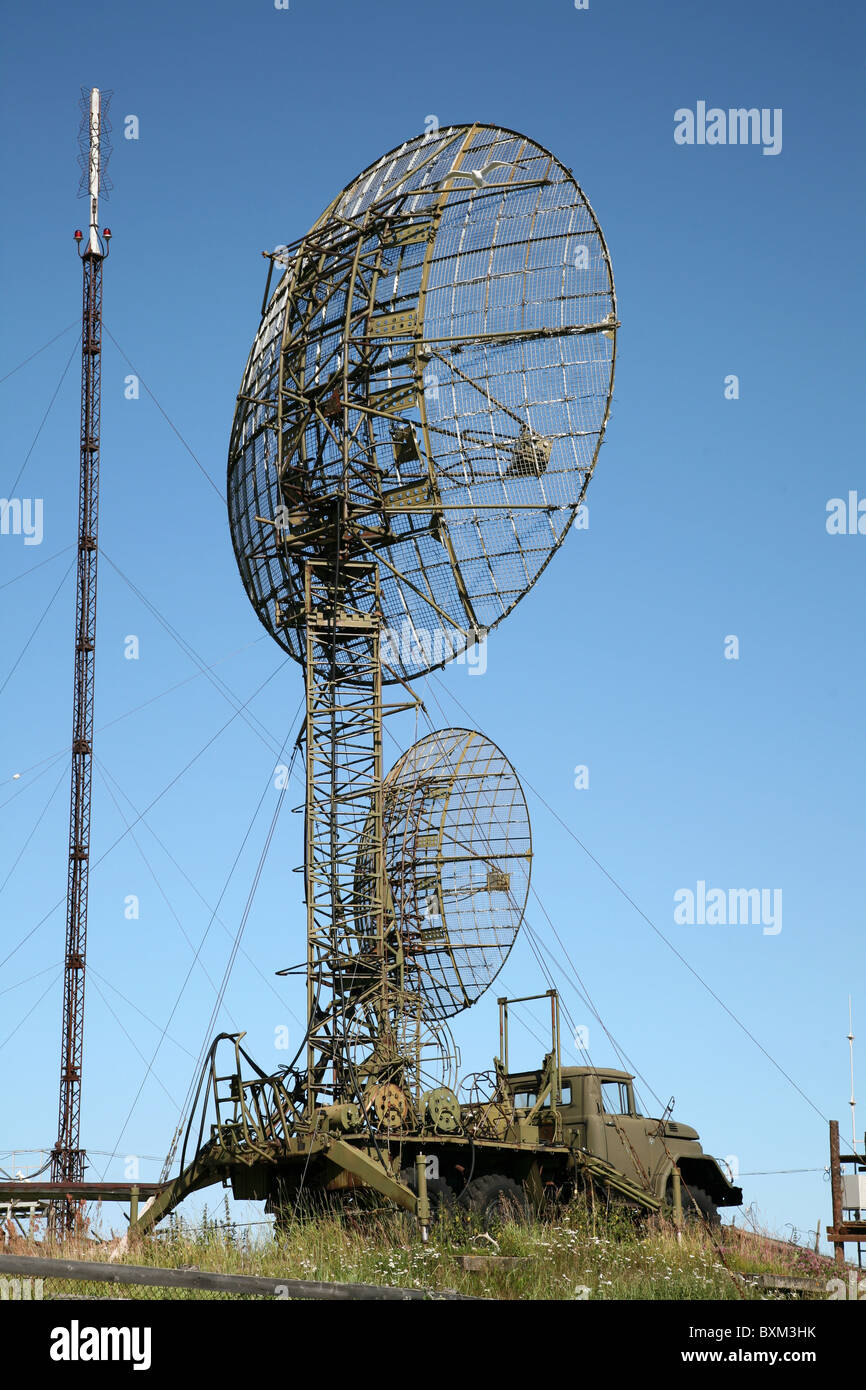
(458, 852)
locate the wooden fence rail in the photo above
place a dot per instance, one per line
(37, 1267)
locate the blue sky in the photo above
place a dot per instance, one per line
(707, 519)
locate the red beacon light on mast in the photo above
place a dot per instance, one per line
(78, 234)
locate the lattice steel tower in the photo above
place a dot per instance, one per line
(68, 1159)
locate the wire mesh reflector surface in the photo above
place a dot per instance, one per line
(439, 351)
(458, 854)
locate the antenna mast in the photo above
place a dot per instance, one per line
(853, 1102)
(68, 1159)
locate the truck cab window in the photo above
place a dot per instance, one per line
(524, 1100)
(615, 1098)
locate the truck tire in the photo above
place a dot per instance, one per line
(493, 1199)
(701, 1206)
(698, 1206)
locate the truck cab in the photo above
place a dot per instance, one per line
(595, 1113)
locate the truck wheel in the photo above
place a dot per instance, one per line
(698, 1206)
(493, 1200)
(440, 1194)
(701, 1205)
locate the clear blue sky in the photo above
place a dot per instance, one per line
(707, 519)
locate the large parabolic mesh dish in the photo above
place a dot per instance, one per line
(458, 854)
(454, 310)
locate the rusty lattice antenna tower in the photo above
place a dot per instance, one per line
(68, 1158)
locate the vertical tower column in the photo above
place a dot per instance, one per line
(68, 1159)
(348, 959)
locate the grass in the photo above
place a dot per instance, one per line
(581, 1254)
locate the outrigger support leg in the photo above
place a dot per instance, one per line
(356, 1161)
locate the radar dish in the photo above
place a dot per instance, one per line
(458, 853)
(428, 388)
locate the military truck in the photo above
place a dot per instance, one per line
(546, 1135)
(595, 1119)
(520, 1142)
